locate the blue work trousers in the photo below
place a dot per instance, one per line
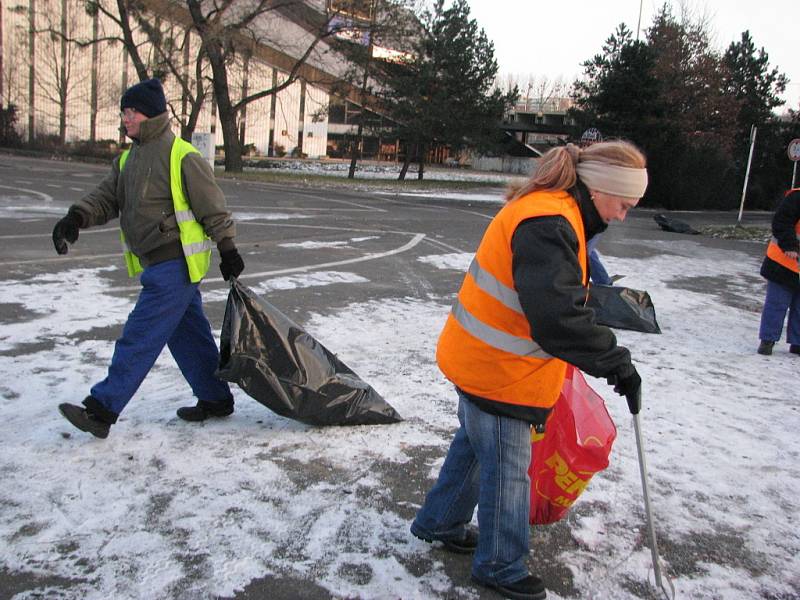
(168, 312)
(487, 465)
(780, 299)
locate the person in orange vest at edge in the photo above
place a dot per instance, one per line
(170, 209)
(781, 271)
(519, 318)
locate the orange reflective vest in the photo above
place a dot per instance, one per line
(779, 256)
(486, 348)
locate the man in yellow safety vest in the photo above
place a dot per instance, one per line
(171, 212)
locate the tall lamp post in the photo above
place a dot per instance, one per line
(639, 22)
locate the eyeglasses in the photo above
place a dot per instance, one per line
(128, 114)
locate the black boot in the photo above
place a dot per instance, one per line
(203, 410)
(765, 347)
(463, 545)
(794, 348)
(85, 420)
(528, 588)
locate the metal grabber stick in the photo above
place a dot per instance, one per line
(669, 592)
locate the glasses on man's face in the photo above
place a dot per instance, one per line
(128, 114)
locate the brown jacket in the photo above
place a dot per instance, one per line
(142, 200)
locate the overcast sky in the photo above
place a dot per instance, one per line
(554, 38)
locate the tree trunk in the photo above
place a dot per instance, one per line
(227, 116)
(420, 173)
(93, 96)
(130, 44)
(31, 68)
(406, 163)
(62, 78)
(355, 147)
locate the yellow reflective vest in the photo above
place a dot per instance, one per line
(194, 241)
(486, 348)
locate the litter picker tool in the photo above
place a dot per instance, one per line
(662, 582)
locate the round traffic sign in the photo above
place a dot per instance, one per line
(794, 150)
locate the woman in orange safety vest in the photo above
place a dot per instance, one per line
(519, 318)
(783, 281)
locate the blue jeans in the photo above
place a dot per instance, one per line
(780, 299)
(169, 312)
(487, 465)
(597, 271)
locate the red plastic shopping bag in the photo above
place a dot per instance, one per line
(576, 445)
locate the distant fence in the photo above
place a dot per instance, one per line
(505, 164)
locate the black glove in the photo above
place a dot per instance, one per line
(66, 230)
(627, 383)
(232, 264)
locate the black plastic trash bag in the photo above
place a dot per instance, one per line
(623, 308)
(276, 362)
(674, 225)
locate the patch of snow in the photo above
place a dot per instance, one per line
(458, 261)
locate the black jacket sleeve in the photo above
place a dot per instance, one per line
(784, 221)
(547, 277)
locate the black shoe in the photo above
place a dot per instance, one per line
(464, 545)
(84, 420)
(765, 348)
(527, 588)
(794, 348)
(203, 410)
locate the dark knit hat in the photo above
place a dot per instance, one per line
(147, 97)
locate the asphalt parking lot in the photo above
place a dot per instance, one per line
(286, 234)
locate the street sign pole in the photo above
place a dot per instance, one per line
(753, 131)
(794, 155)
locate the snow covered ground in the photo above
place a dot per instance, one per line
(166, 509)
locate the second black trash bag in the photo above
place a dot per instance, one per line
(623, 308)
(279, 364)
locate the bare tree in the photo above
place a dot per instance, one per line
(228, 29)
(56, 76)
(15, 59)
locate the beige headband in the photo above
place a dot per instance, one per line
(611, 179)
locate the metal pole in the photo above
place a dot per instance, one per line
(753, 131)
(794, 173)
(639, 23)
(668, 593)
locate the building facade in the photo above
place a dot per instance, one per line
(64, 69)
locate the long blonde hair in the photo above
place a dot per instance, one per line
(556, 169)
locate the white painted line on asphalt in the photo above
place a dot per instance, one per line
(46, 197)
(331, 227)
(53, 185)
(372, 256)
(76, 189)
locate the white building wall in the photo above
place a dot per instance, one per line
(315, 128)
(258, 111)
(287, 115)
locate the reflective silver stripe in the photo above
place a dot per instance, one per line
(182, 216)
(496, 338)
(197, 247)
(496, 289)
